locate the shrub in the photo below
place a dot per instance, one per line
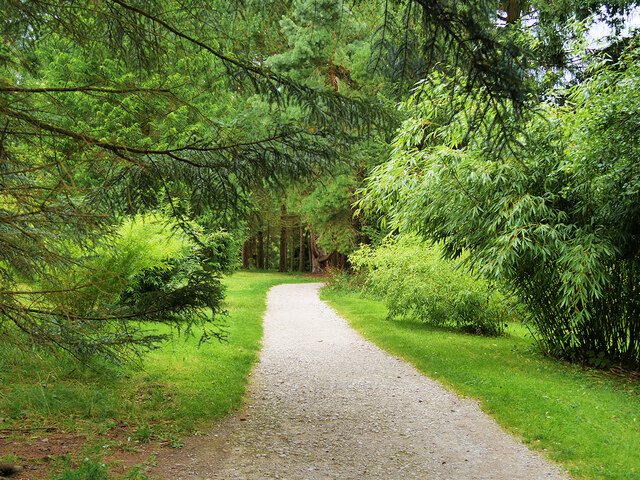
(151, 270)
(414, 281)
(340, 279)
(551, 215)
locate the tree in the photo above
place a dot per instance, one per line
(553, 218)
(110, 108)
(513, 52)
(328, 43)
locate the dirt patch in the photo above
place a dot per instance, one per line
(41, 454)
(35, 453)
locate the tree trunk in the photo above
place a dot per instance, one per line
(267, 249)
(245, 255)
(343, 262)
(292, 263)
(514, 11)
(252, 252)
(319, 257)
(332, 71)
(283, 240)
(301, 259)
(260, 250)
(310, 253)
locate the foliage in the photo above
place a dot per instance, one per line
(328, 43)
(458, 38)
(339, 279)
(415, 282)
(311, 32)
(113, 108)
(326, 204)
(499, 45)
(553, 218)
(326, 210)
(585, 420)
(149, 271)
(87, 470)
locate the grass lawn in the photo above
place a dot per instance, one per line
(586, 420)
(181, 388)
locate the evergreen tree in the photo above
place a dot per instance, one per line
(112, 108)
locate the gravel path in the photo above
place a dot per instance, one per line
(323, 403)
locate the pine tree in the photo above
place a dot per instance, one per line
(108, 109)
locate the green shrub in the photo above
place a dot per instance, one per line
(551, 216)
(144, 242)
(341, 279)
(413, 280)
(151, 270)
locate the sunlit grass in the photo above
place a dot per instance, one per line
(207, 382)
(588, 421)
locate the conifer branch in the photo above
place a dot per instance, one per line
(86, 88)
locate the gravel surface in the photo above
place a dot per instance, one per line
(324, 403)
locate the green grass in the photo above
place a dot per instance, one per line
(181, 388)
(87, 470)
(588, 421)
(208, 382)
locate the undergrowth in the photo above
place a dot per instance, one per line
(414, 281)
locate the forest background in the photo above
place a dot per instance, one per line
(252, 123)
(149, 148)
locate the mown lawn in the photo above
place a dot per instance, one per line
(586, 420)
(209, 381)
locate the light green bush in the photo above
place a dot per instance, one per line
(151, 270)
(414, 281)
(140, 243)
(551, 215)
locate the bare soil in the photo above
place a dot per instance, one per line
(39, 454)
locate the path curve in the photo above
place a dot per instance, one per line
(324, 403)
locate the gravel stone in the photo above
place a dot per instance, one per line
(324, 403)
